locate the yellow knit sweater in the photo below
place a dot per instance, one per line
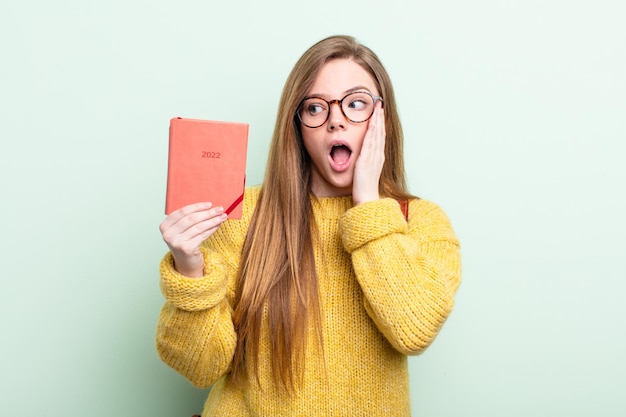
(386, 288)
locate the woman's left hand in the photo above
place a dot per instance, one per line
(370, 162)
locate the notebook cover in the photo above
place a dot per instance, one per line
(206, 162)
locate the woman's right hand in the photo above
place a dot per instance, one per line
(185, 229)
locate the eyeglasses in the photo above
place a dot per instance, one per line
(356, 107)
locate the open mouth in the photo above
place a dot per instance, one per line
(340, 154)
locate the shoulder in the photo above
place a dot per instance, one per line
(430, 220)
(233, 231)
(252, 192)
(250, 198)
(423, 207)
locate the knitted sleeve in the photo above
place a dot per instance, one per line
(409, 273)
(195, 332)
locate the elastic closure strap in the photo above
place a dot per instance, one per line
(235, 204)
(404, 206)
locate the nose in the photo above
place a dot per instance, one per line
(336, 119)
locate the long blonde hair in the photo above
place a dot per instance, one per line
(277, 273)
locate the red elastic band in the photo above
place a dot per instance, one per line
(235, 204)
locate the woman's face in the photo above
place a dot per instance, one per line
(335, 146)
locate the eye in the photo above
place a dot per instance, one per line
(314, 107)
(358, 102)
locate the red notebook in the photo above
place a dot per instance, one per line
(206, 162)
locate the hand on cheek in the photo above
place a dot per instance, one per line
(369, 164)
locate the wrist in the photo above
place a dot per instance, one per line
(360, 199)
(191, 268)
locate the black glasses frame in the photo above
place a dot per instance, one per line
(339, 102)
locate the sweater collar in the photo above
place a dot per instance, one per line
(330, 207)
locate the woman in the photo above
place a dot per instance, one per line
(310, 303)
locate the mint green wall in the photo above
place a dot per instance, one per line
(514, 120)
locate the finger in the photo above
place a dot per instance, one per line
(374, 140)
(204, 228)
(176, 215)
(194, 218)
(192, 224)
(370, 134)
(382, 133)
(197, 240)
(191, 238)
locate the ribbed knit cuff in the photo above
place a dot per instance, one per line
(194, 294)
(370, 221)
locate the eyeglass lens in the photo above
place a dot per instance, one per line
(357, 107)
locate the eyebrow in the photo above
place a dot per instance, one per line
(348, 91)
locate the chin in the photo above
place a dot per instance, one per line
(342, 189)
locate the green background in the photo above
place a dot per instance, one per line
(514, 115)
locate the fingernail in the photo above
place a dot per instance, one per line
(219, 209)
